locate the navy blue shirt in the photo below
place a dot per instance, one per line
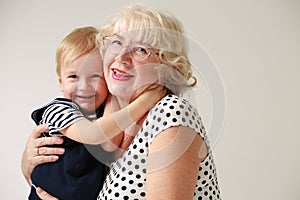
(78, 174)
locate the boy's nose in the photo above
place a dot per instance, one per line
(83, 84)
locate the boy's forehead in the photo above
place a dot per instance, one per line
(86, 63)
(91, 62)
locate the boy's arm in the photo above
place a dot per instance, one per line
(114, 143)
(109, 126)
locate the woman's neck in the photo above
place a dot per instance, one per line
(122, 102)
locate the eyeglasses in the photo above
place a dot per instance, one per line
(114, 46)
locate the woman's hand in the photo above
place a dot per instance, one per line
(44, 195)
(36, 151)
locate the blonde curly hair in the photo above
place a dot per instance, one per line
(162, 32)
(79, 42)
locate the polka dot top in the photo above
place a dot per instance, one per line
(127, 176)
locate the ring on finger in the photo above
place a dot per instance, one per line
(38, 151)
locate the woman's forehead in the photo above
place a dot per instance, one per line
(157, 38)
(141, 35)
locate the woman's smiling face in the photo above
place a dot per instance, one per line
(126, 74)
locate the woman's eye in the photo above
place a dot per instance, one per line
(140, 50)
(116, 42)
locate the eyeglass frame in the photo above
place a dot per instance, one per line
(130, 48)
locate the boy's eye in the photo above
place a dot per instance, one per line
(95, 76)
(73, 76)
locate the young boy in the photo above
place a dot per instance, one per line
(77, 174)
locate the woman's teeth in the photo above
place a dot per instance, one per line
(122, 74)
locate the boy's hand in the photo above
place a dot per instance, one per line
(152, 94)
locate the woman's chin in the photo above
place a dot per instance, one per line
(121, 92)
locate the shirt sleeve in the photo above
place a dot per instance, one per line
(59, 114)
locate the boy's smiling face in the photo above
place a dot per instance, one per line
(82, 81)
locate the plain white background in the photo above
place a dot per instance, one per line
(254, 43)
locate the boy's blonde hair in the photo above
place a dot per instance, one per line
(78, 43)
(159, 30)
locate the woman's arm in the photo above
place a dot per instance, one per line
(173, 164)
(36, 152)
(111, 125)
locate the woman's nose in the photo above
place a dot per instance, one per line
(124, 56)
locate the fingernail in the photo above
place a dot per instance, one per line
(61, 150)
(38, 190)
(58, 140)
(55, 158)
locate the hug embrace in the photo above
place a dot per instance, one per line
(122, 129)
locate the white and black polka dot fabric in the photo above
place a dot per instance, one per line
(127, 176)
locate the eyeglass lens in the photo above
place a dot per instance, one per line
(115, 46)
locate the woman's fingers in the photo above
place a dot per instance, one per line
(38, 130)
(41, 153)
(40, 142)
(37, 147)
(51, 150)
(36, 160)
(44, 195)
(37, 151)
